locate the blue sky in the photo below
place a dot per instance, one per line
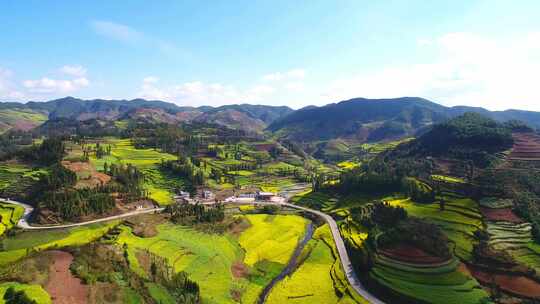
(296, 53)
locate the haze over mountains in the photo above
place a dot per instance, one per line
(358, 119)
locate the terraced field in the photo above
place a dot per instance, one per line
(510, 234)
(459, 220)
(157, 183)
(319, 278)
(526, 147)
(448, 179)
(34, 292)
(421, 284)
(240, 268)
(377, 148)
(15, 175)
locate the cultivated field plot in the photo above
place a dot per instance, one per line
(159, 185)
(448, 179)
(526, 147)
(227, 268)
(9, 216)
(15, 175)
(437, 284)
(319, 278)
(511, 234)
(459, 220)
(22, 244)
(33, 292)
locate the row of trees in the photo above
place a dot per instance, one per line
(50, 151)
(184, 167)
(192, 214)
(73, 203)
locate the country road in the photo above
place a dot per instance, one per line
(24, 224)
(343, 255)
(340, 245)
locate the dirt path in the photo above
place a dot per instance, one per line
(63, 287)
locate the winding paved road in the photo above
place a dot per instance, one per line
(340, 245)
(24, 223)
(343, 255)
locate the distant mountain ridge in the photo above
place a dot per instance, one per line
(245, 116)
(364, 119)
(358, 119)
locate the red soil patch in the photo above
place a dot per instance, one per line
(514, 284)
(526, 146)
(410, 254)
(24, 125)
(239, 270)
(464, 269)
(264, 147)
(502, 214)
(63, 287)
(87, 174)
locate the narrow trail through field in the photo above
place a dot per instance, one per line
(291, 265)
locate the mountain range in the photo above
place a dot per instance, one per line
(357, 119)
(364, 120)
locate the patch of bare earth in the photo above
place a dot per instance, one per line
(63, 287)
(145, 225)
(410, 254)
(87, 175)
(501, 214)
(238, 226)
(239, 270)
(513, 284)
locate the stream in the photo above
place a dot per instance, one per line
(290, 266)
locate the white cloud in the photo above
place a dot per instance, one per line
(73, 70)
(198, 93)
(8, 89)
(117, 31)
(47, 85)
(496, 73)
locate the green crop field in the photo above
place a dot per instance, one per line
(13, 117)
(447, 286)
(12, 172)
(123, 152)
(348, 165)
(34, 292)
(159, 185)
(459, 220)
(159, 294)
(377, 148)
(271, 238)
(516, 240)
(448, 179)
(319, 278)
(208, 259)
(9, 216)
(24, 243)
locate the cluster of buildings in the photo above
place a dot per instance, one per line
(207, 197)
